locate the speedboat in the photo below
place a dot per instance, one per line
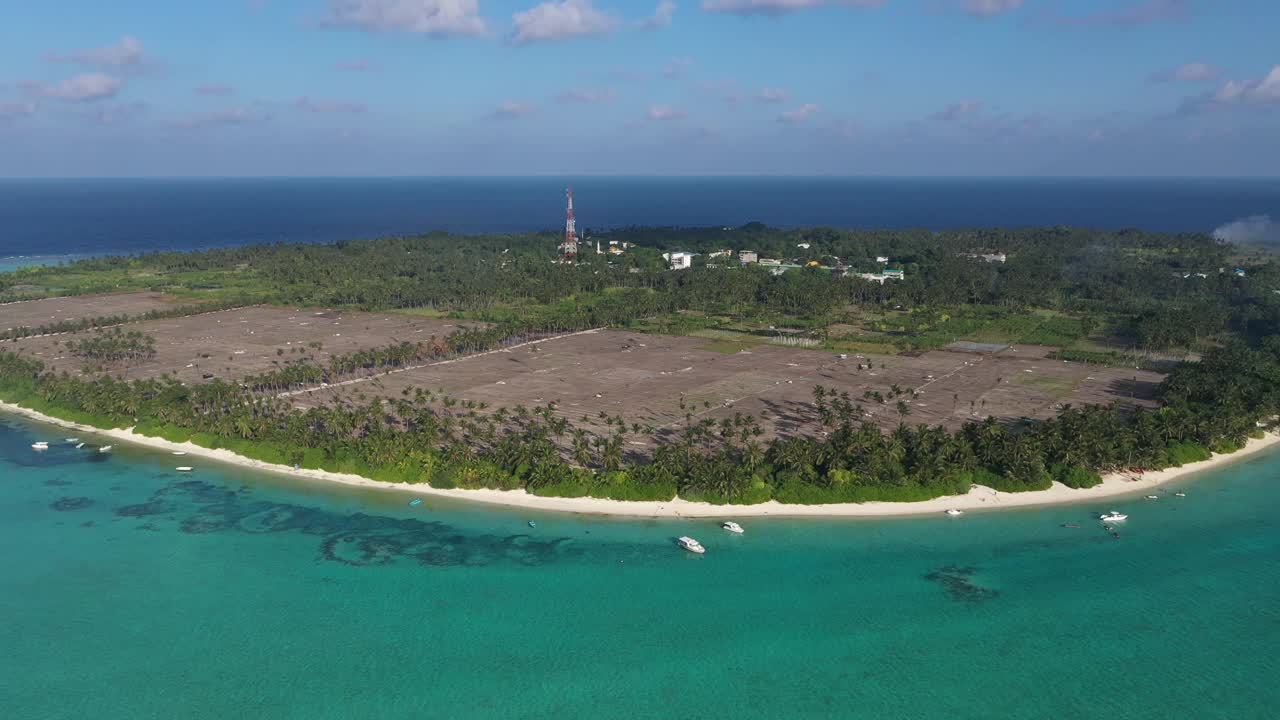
(178, 452)
(954, 512)
(691, 545)
(1113, 516)
(732, 527)
(73, 440)
(184, 468)
(105, 448)
(533, 524)
(40, 445)
(415, 502)
(79, 445)
(1153, 497)
(1179, 494)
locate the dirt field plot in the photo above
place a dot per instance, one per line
(34, 313)
(643, 377)
(236, 343)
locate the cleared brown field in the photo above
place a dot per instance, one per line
(642, 378)
(236, 343)
(34, 313)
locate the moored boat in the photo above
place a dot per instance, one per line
(954, 512)
(732, 527)
(40, 445)
(105, 448)
(184, 468)
(1113, 516)
(691, 545)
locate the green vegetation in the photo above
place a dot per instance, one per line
(1100, 296)
(114, 345)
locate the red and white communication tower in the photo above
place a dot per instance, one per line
(569, 248)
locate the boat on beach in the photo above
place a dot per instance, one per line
(691, 545)
(732, 527)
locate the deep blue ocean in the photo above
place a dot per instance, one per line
(54, 218)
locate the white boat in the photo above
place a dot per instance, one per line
(40, 445)
(691, 545)
(1180, 494)
(954, 512)
(73, 440)
(178, 452)
(79, 445)
(1113, 516)
(105, 448)
(1153, 497)
(732, 527)
(184, 468)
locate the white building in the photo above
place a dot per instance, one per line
(678, 260)
(882, 259)
(747, 256)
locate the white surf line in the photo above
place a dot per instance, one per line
(354, 381)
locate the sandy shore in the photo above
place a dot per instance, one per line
(979, 498)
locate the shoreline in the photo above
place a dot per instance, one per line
(978, 498)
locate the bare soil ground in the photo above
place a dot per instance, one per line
(34, 313)
(236, 343)
(642, 378)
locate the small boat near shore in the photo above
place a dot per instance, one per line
(79, 445)
(1113, 516)
(691, 545)
(954, 512)
(73, 440)
(179, 453)
(732, 527)
(184, 468)
(1179, 494)
(415, 502)
(105, 448)
(40, 445)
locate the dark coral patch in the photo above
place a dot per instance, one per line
(71, 503)
(957, 581)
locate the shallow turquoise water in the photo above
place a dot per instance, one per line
(225, 593)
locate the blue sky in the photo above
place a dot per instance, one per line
(461, 87)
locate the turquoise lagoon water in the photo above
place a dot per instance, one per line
(131, 591)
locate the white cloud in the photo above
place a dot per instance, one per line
(661, 16)
(773, 95)
(230, 116)
(587, 95)
(1254, 229)
(81, 88)
(955, 111)
(427, 17)
(665, 112)
(215, 89)
(361, 65)
(990, 8)
(319, 105)
(513, 108)
(127, 53)
(559, 21)
(779, 7)
(1191, 73)
(800, 114)
(11, 110)
(676, 68)
(1237, 93)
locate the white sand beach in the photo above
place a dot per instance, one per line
(979, 498)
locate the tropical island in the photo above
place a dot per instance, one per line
(729, 366)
